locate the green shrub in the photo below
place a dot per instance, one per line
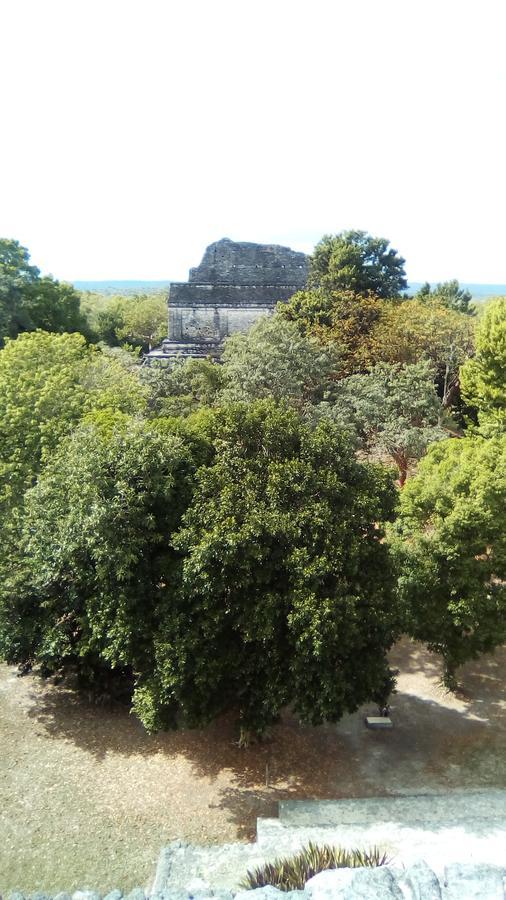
(291, 873)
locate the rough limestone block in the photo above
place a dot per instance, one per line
(242, 262)
(136, 894)
(86, 895)
(112, 895)
(198, 887)
(466, 881)
(329, 885)
(64, 896)
(373, 884)
(264, 893)
(269, 892)
(15, 895)
(170, 894)
(422, 882)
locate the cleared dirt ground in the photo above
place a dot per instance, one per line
(87, 799)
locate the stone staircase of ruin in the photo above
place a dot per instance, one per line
(442, 829)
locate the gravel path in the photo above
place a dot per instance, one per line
(88, 799)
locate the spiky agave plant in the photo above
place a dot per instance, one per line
(291, 873)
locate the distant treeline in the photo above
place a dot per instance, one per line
(124, 288)
(477, 291)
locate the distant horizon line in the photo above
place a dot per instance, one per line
(476, 288)
(170, 280)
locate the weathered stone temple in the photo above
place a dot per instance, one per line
(233, 286)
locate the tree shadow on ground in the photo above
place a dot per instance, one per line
(436, 742)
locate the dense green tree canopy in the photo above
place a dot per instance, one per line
(28, 301)
(48, 382)
(95, 549)
(184, 387)
(355, 261)
(16, 274)
(483, 378)
(247, 574)
(274, 360)
(209, 536)
(54, 306)
(394, 410)
(106, 317)
(283, 550)
(136, 319)
(337, 319)
(415, 330)
(144, 320)
(450, 544)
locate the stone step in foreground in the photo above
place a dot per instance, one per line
(451, 807)
(442, 830)
(418, 882)
(221, 867)
(460, 881)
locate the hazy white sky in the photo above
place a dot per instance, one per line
(135, 132)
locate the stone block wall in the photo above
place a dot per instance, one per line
(241, 262)
(235, 284)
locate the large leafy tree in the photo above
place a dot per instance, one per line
(394, 411)
(144, 320)
(83, 586)
(54, 306)
(16, 276)
(183, 387)
(337, 319)
(257, 579)
(139, 319)
(274, 360)
(48, 382)
(414, 330)
(29, 301)
(483, 378)
(286, 582)
(105, 314)
(355, 261)
(450, 544)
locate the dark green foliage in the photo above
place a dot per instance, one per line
(237, 563)
(449, 294)
(274, 360)
(394, 411)
(95, 550)
(184, 387)
(357, 262)
(109, 322)
(28, 301)
(286, 582)
(483, 377)
(450, 546)
(48, 382)
(139, 320)
(55, 306)
(16, 276)
(291, 873)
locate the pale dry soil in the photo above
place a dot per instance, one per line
(87, 799)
